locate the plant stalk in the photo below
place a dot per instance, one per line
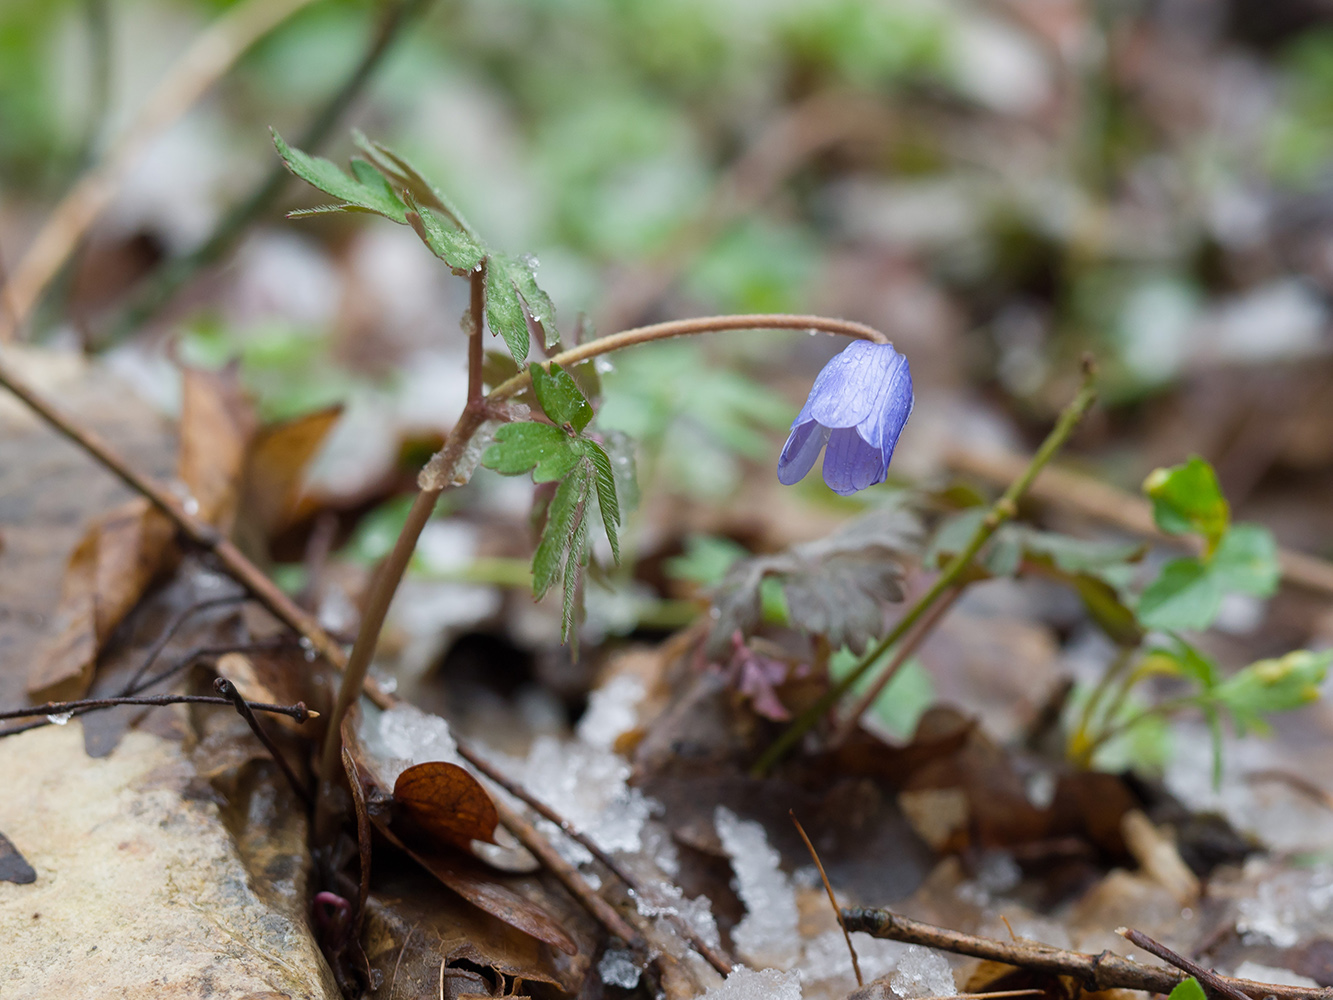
(1001, 511)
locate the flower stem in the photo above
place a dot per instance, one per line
(1001, 511)
(689, 327)
(904, 652)
(439, 473)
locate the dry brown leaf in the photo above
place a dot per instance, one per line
(65, 667)
(276, 466)
(217, 426)
(480, 887)
(108, 572)
(444, 802)
(133, 547)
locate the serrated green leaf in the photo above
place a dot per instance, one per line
(1188, 989)
(564, 511)
(1269, 686)
(605, 482)
(412, 180)
(453, 246)
(1246, 560)
(1187, 498)
(504, 311)
(560, 397)
(356, 192)
(548, 451)
(512, 295)
(1187, 595)
(575, 560)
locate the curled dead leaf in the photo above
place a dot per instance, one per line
(444, 802)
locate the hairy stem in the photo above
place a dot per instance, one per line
(1001, 511)
(689, 327)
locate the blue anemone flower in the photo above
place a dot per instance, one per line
(857, 407)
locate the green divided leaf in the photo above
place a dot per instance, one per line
(1187, 595)
(1246, 560)
(412, 181)
(458, 249)
(560, 397)
(563, 516)
(366, 190)
(604, 481)
(1187, 498)
(1273, 686)
(512, 298)
(548, 451)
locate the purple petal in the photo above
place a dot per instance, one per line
(892, 408)
(849, 388)
(852, 464)
(799, 453)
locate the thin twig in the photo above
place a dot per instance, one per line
(228, 690)
(132, 685)
(59, 708)
(161, 286)
(241, 569)
(904, 652)
(210, 56)
(530, 837)
(714, 956)
(1094, 498)
(832, 900)
(1004, 509)
(1207, 978)
(1104, 971)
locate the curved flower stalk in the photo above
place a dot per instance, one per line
(856, 409)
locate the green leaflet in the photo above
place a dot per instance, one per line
(512, 296)
(560, 397)
(548, 451)
(455, 247)
(366, 190)
(1187, 498)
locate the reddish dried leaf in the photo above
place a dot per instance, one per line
(443, 802)
(276, 466)
(482, 889)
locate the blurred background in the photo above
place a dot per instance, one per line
(999, 185)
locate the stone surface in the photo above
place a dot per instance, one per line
(141, 890)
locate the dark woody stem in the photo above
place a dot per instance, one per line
(1001, 511)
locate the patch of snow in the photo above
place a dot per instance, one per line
(768, 935)
(589, 787)
(923, 972)
(761, 984)
(617, 968)
(611, 711)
